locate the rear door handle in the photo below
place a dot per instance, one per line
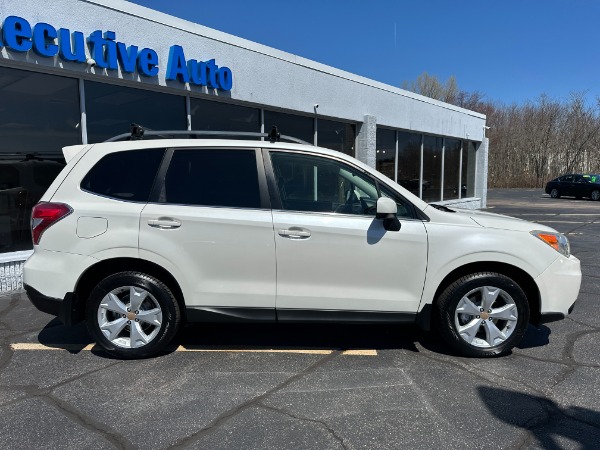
(164, 223)
(295, 233)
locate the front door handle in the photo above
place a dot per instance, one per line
(295, 233)
(164, 223)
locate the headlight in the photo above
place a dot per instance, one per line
(557, 241)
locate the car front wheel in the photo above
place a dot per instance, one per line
(483, 314)
(554, 193)
(132, 315)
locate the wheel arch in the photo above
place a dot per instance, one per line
(522, 278)
(97, 272)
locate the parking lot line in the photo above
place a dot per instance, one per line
(558, 221)
(181, 348)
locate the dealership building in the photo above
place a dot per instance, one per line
(81, 71)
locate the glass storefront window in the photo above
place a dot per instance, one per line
(451, 168)
(216, 116)
(409, 161)
(39, 115)
(432, 168)
(300, 127)
(338, 136)
(386, 152)
(468, 169)
(112, 109)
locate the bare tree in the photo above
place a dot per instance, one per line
(531, 142)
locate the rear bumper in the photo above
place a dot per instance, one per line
(65, 309)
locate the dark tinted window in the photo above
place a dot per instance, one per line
(451, 168)
(338, 136)
(39, 113)
(567, 178)
(432, 169)
(112, 109)
(409, 161)
(124, 175)
(216, 116)
(213, 177)
(300, 127)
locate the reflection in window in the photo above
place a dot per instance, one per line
(468, 169)
(451, 166)
(308, 183)
(338, 136)
(112, 175)
(112, 109)
(216, 116)
(432, 168)
(386, 152)
(39, 115)
(300, 127)
(409, 161)
(213, 177)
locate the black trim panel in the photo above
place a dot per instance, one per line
(69, 310)
(554, 316)
(233, 314)
(551, 317)
(304, 315)
(42, 302)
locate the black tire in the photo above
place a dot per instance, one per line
(448, 303)
(595, 195)
(554, 193)
(158, 295)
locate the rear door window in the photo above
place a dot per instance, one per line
(212, 177)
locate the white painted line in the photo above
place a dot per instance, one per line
(558, 221)
(256, 350)
(360, 352)
(181, 348)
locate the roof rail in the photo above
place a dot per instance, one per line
(138, 133)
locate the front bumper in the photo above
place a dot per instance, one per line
(559, 287)
(66, 309)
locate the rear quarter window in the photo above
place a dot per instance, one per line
(127, 175)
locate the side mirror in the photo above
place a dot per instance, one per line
(387, 211)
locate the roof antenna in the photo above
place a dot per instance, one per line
(274, 135)
(137, 132)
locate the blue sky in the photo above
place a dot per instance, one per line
(512, 51)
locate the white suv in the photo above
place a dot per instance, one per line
(136, 237)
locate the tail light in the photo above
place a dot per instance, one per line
(44, 215)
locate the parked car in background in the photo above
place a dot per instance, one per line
(575, 185)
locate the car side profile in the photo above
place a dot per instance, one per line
(575, 185)
(139, 237)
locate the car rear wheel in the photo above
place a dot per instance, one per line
(483, 314)
(554, 193)
(595, 195)
(132, 315)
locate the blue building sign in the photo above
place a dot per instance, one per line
(107, 53)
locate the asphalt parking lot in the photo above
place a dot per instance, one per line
(314, 386)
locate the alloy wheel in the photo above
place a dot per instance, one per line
(129, 317)
(486, 317)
